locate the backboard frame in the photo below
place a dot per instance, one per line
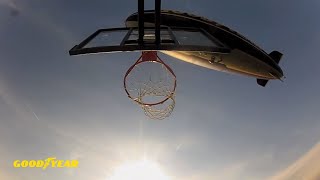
(159, 44)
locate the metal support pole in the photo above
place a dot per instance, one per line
(157, 20)
(141, 21)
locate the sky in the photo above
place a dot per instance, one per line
(223, 126)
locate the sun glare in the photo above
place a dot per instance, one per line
(142, 170)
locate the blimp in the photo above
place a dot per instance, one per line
(244, 57)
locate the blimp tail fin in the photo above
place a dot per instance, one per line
(276, 56)
(262, 82)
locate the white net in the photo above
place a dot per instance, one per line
(151, 83)
(160, 111)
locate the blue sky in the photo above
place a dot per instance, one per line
(223, 126)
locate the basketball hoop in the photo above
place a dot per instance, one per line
(151, 83)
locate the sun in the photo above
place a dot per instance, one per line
(142, 170)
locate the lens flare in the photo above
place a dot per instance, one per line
(142, 170)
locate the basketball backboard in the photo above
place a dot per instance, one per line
(127, 39)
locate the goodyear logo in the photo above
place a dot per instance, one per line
(51, 162)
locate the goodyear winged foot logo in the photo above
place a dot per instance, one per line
(51, 162)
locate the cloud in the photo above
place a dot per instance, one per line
(41, 18)
(307, 167)
(14, 9)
